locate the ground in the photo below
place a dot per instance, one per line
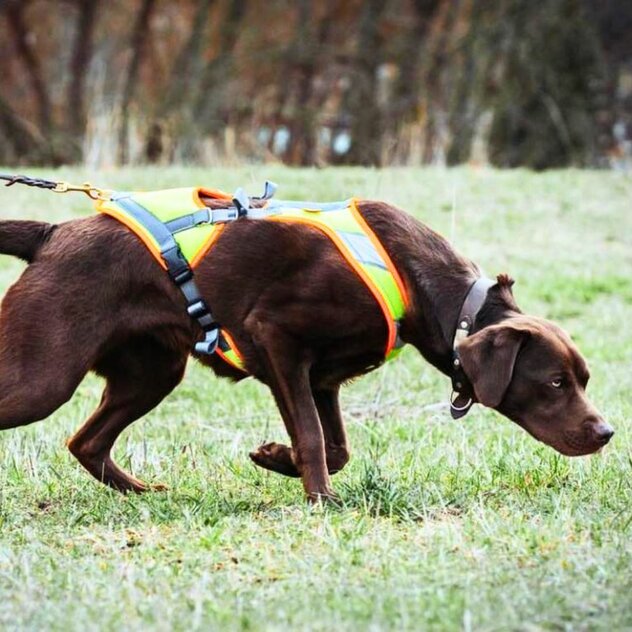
(445, 525)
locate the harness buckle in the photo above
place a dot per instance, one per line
(181, 277)
(197, 309)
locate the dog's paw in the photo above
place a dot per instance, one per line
(327, 498)
(275, 457)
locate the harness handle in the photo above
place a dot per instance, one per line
(241, 199)
(269, 189)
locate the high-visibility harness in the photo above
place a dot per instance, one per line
(179, 230)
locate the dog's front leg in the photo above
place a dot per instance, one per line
(336, 442)
(287, 368)
(278, 458)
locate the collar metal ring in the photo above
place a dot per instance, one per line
(459, 408)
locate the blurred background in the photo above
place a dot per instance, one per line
(540, 84)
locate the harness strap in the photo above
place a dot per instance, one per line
(310, 206)
(178, 268)
(214, 216)
(185, 222)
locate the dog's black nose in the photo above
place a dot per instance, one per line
(603, 432)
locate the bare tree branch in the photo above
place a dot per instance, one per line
(138, 43)
(15, 17)
(82, 54)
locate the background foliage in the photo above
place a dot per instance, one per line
(371, 82)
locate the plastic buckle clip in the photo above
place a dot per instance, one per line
(197, 309)
(182, 276)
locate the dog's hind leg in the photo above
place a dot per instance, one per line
(138, 377)
(278, 457)
(38, 370)
(39, 393)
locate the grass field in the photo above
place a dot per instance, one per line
(446, 525)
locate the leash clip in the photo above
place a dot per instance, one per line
(92, 192)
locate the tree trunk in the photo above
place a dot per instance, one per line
(305, 59)
(76, 109)
(544, 116)
(478, 71)
(437, 61)
(366, 123)
(404, 102)
(178, 92)
(138, 44)
(203, 118)
(26, 147)
(15, 18)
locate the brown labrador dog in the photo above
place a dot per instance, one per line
(93, 298)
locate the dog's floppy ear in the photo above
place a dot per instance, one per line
(488, 359)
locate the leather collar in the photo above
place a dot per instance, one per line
(463, 396)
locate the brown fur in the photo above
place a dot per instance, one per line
(93, 298)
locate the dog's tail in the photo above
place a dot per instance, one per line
(23, 238)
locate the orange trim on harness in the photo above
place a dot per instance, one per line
(219, 228)
(212, 193)
(231, 343)
(377, 244)
(138, 230)
(392, 329)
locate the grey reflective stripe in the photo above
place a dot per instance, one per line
(399, 343)
(309, 206)
(188, 221)
(178, 268)
(261, 213)
(362, 248)
(159, 231)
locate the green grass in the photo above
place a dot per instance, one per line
(445, 525)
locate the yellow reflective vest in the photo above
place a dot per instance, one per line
(341, 222)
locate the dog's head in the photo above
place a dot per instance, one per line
(529, 370)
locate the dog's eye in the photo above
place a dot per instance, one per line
(557, 383)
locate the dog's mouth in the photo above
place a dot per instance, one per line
(569, 443)
(571, 450)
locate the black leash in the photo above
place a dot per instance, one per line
(29, 182)
(56, 186)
